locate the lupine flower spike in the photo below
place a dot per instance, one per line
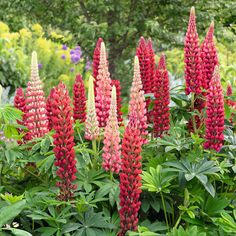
(64, 142)
(79, 102)
(36, 116)
(91, 123)
(161, 111)
(192, 57)
(209, 57)
(49, 109)
(111, 150)
(96, 60)
(215, 113)
(130, 179)
(137, 105)
(119, 100)
(103, 90)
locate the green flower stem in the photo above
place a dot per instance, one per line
(164, 208)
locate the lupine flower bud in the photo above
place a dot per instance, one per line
(36, 116)
(111, 149)
(64, 142)
(79, 99)
(96, 60)
(130, 179)
(49, 108)
(91, 123)
(215, 113)
(192, 57)
(137, 105)
(209, 57)
(119, 100)
(103, 90)
(161, 111)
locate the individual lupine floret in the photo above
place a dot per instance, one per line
(161, 111)
(192, 57)
(137, 105)
(119, 100)
(96, 60)
(209, 57)
(79, 95)
(215, 113)
(103, 90)
(91, 122)
(49, 108)
(64, 142)
(36, 116)
(111, 150)
(130, 179)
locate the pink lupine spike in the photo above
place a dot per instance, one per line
(64, 142)
(192, 57)
(36, 116)
(215, 113)
(79, 97)
(130, 179)
(137, 105)
(161, 111)
(111, 150)
(209, 57)
(119, 100)
(91, 122)
(229, 89)
(103, 90)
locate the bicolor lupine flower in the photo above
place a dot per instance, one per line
(209, 57)
(36, 116)
(64, 142)
(130, 179)
(103, 90)
(91, 123)
(137, 105)
(119, 100)
(79, 102)
(111, 149)
(192, 57)
(146, 57)
(96, 59)
(49, 108)
(215, 113)
(161, 111)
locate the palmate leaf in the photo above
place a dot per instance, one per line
(200, 170)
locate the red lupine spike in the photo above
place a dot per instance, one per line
(192, 57)
(79, 97)
(230, 102)
(103, 90)
(229, 90)
(64, 142)
(130, 179)
(119, 100)
(161, 111)
(49, 109)
(36, 116)
(209, 57)
(215, 113)
(96, 60)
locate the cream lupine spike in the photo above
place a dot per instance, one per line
(103, 89)
(137, 105)
(111, 150)
(36, 113)
(91, 123)
(0, 93)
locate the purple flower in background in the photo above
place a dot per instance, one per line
(88, 65)
(40, 66)
(63, 56)
(72, 69)
(64, 47)
(72, 51)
